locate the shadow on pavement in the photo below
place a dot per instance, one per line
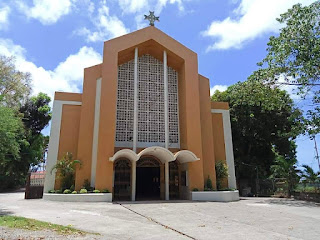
(4, 212)
(292, 203)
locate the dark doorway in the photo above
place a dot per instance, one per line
(148, 179)
(122, 180)
(174, 181)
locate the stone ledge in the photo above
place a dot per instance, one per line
(215, 196)
(81, 197)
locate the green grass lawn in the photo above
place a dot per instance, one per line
(35, 225)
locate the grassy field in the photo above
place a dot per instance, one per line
(35, 225)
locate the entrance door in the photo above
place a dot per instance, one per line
(148, 179)
(122, 180)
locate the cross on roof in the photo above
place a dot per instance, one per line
(152, 18)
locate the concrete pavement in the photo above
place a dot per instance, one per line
(252, 218)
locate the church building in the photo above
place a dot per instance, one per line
(144, 126)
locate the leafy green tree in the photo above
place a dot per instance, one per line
(286, 167)
(11, 140)
(22, 119)
(263, 120)
(14, 85)
(36, 113)
(309, 175)
(293, 57)
(66, 168)
(36, 116)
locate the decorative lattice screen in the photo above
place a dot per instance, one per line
(151, 120)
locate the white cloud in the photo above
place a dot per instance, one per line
(46, 11)
(106, 26)
(221, 88)
(252, 18)
(137, 6)
(4, 17)
(141, 7)
(67, 76)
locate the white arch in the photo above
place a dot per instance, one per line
(185, 156)
(163, 154)
(125, 153)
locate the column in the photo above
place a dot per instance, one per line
(135, 107)
(166, 121)
(135, 126)
(133, 180)
(95, 133)
(166, 108)
(166, 177)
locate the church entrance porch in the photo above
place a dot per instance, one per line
(148, 179)
(155, 174)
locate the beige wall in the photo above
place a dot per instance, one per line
(208, 148)
(87, 123)
(69, 133)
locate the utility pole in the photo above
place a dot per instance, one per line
(317, 153)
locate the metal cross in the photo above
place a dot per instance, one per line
(152, 18)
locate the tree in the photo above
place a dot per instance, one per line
(14, 85)
(36, 116)
(66, 168)
(264, 121)
(310, 176)
(11, 139)
(22, 120)
(286, 167)
(293, 57)
(36, 113)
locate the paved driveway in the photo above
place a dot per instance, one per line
(253, 218)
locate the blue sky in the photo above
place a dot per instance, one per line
(55, 40)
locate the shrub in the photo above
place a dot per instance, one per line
(86, 185)
(83, 190)
(195, 190)
(74, 192)
(208, 185)
(105, 191)
(66, 168)
(59, 191)
(221, 173)
(51, 191)
(67, 191)
(96, 191)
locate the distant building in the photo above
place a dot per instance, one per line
(144, 126)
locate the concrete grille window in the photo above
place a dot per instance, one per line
(151, 117)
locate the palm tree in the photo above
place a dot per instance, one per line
(309, 175)
(66, 168)
(286, 168)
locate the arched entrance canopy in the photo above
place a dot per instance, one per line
(163, 154)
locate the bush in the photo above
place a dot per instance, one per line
(67, 191)
(96, 191)
(74, 192)
(66, 168)
(105, 191)
(86, 185)
(221, 173)
(195, 190)
(83, 190)
(208, 185)
(59, 191)
(51, 191)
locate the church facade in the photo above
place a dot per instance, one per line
(144, 126)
